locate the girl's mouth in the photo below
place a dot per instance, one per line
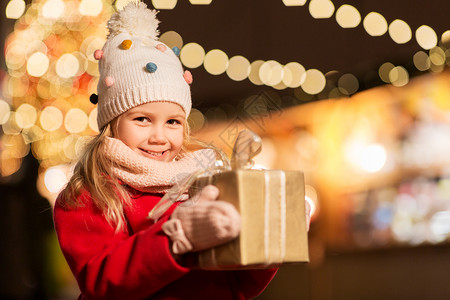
(154, 154)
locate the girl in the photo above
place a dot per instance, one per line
(143, 148)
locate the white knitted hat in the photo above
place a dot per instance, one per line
(135, 68)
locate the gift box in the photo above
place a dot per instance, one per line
(273, 223)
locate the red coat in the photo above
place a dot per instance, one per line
(137, 264)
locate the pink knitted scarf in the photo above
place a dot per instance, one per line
(149, 175)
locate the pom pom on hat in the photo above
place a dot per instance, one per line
(135, 20)
(126, 44)
(98, 54)
(93, 98)
(109, 81)
(161, 47)
(151, 67)
(188, 77)
(176, 50)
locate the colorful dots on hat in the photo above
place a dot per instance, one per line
(126, 44)
(188, 77)
(109, 81)
(151, 67)
(176, 50)
(93, 98)
(98, 54)
(161, 47)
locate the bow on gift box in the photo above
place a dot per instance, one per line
(248, 144)
(246, 147)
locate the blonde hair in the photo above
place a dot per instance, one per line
(93, 173)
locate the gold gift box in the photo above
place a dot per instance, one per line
(273, 224)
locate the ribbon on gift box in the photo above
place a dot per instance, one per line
(275, 254)
(247, 145)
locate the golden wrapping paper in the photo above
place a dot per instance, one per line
(273, 224)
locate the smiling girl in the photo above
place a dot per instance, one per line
(143, 148)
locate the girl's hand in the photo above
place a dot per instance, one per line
(206, 223)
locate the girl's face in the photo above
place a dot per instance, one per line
(154, 130)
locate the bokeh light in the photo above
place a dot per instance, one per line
(294, 2)
(192, 55)
(271, 73)
(347, 16)
(67, 66)
(196, 120)
(314, 82)
(120, 4)
(373, 158)
(440, 225)
(384, 70)
(200, 2)
(421, 61)
(238, 68)
(375, 24)
(90, 7)
(254, 72)
(15, 9)
(172, 39)
(53, 9)
(70, 147)
(164, 4)
(400, 31)
(15, 146)
(93, 120)
(76, 120)
(11, 127)
(55, 178)
(294, 75)
(445, 38)
(5, 112)
(399, 76)
(51, 118)
(26, 115)
(15, 56)
(32, 134)
(216, 62)
(348, 84)
(437, 56)
(321, 9)
(37, 64)
(311, 195)
(426, 37)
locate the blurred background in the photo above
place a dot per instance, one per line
(356, 94)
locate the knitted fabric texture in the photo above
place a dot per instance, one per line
(149, 175)
(205, 223)
(174, 230)
(135, 68)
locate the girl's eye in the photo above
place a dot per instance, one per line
(142, 119)
(173, 122)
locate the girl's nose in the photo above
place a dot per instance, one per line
(157, 135)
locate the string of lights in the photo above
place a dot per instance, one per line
(52, 71)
